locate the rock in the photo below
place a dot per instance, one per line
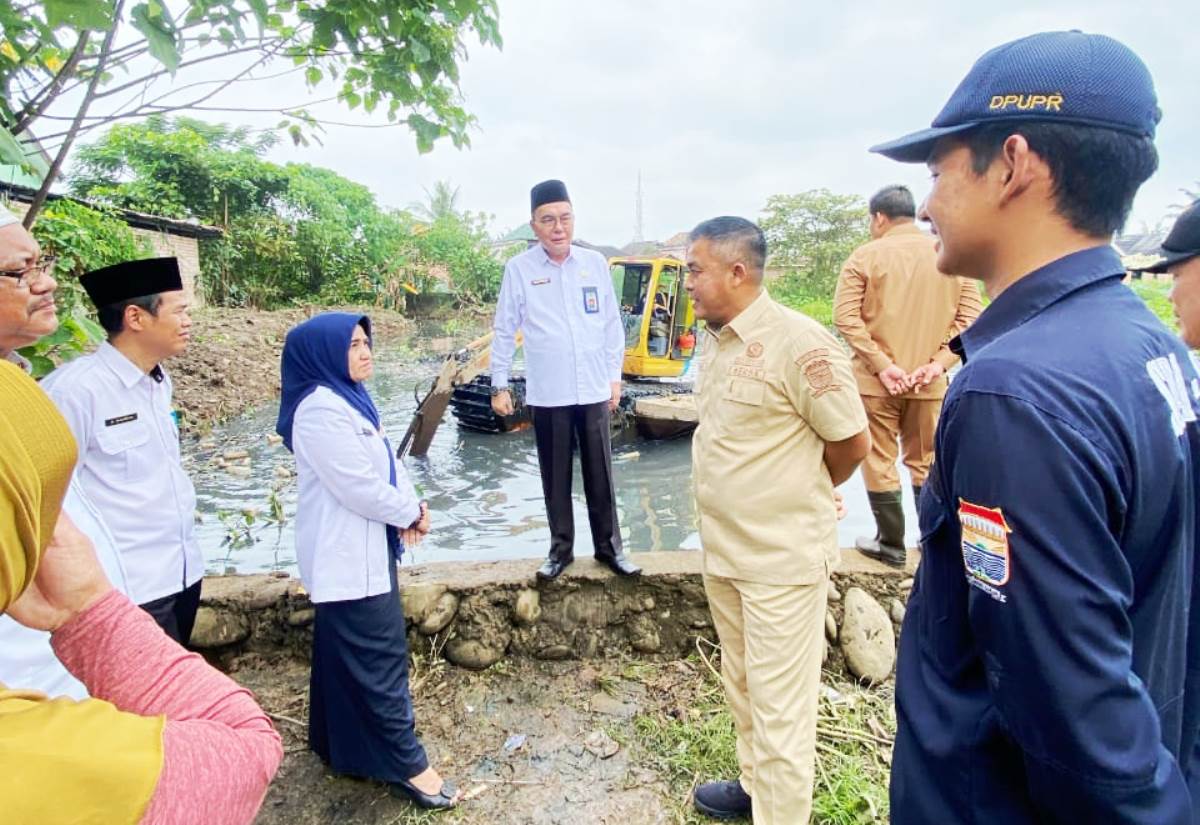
(554, 652)
(238, 470)
(418, 599)
(441, 614)
(274, 439)
(833, 594)
(235, 455)
(218, 628)
(283, 472)
(601, 744)
(906, 584)
(472, 653)
(868, 640)
(528, 608)
(643, 635)
(897, 611)
(648, 603)
(301, 618)
(831, 628)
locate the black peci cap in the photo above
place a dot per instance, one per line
(1182, 243)
(548, 191)
(132, 279)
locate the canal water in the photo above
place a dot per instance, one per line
(484, 491)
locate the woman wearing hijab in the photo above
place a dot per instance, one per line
(356, 510)
(174, 741)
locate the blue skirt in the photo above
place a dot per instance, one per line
(360, 718)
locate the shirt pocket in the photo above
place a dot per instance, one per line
(941, 585)
(120, 446)
(742, 407)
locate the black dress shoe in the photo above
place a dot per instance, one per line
(443, 800)
(552, 568)
(722, 800)
(620, 564)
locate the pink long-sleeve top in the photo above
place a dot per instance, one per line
(220, 750)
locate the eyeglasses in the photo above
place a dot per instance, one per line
(548, 221)
(43, 266)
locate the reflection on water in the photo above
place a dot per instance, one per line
(484, 490)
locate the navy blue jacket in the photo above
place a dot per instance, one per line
(1049, 665)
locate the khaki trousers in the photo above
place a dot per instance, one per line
(913, 421)
(772, 640)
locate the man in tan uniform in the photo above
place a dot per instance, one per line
(898, 313)
(781, 424)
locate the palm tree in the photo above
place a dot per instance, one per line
(440, 202)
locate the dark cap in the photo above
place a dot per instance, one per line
(1182, 243)
(132, 279)
(548, 191)
(1055, 77)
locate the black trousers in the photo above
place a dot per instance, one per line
(557, 430)
(176, 614)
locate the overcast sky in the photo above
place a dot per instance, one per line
(720, 105)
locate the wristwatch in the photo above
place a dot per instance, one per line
(497, 390)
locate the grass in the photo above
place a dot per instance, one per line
(1155, 294)
(854, 735)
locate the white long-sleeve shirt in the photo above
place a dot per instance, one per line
(344, 500)
(574, 341)
(130, 467)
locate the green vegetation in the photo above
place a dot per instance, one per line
(855, 728)
(82, 63)
(1156, 296)
(294, 233)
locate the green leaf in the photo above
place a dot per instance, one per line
(260, 9)
(313, 75)
(160, 36)
(42, 366)
(420, 51)
(79, 14)
(12, 152)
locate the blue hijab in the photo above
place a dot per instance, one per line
(316, 353)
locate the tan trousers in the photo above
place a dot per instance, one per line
(913, 421)
(772, 639)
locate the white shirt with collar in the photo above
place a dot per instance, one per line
(130, 467)
(574, 340)
(344, 500)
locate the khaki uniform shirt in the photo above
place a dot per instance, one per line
(774, 387)
(892, 305)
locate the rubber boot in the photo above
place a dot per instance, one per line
(888, 544)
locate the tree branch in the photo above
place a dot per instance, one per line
(38, 103)
(39, 200)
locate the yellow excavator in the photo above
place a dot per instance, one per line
(660, 340)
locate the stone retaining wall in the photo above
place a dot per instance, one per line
(476, 613)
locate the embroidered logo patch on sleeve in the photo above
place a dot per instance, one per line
(985, 543)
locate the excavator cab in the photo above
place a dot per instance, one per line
(657, 313)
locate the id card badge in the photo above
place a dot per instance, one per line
(591, 300)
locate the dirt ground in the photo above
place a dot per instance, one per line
(232, 362)
(531, 743)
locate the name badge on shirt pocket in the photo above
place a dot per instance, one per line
(539, 282)
(591, 300)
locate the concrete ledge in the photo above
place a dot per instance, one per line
(476, 613)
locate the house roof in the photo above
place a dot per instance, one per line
(141, 220)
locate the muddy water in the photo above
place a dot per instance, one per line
(484, 490)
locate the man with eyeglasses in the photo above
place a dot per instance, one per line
(27, 285)
(27, 313)
(562, 297)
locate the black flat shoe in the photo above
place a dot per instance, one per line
(552, 568)
(443, 800)
(620, 564)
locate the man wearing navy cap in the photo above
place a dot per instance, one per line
(1179, 256)
(1050, 656)
(117, 402)
(562, 297)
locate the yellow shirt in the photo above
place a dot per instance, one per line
(774, 387)
(892, 305)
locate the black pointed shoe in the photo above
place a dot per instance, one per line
(722, 800)
(443, 800)
(552, 568)
(620, 564)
